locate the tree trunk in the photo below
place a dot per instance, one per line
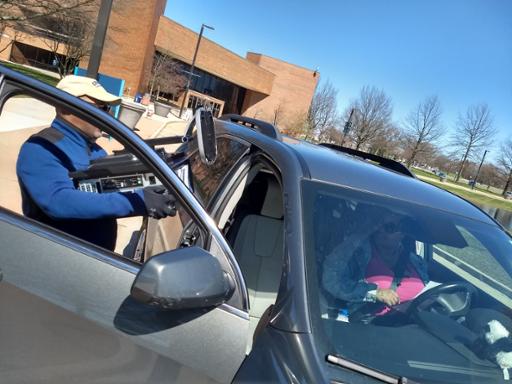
(151, 87)
(507, 184)
(413, 154)
(462, 165)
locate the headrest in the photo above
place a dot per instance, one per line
(273, 204)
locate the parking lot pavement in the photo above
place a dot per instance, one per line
(22, 113)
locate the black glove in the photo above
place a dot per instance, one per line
(159, 203)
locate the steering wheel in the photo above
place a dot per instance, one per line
(450, 299)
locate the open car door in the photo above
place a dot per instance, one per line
(72, 311)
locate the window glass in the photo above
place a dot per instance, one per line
(476, 258)
(206, 179)
(66, 173)
(378, 297)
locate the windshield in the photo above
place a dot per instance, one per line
(407, 289)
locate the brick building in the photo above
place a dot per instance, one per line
(256, 85)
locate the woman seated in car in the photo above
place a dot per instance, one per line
(373, 265)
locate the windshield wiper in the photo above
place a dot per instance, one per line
(365, 370)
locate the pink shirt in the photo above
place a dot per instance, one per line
(379, 273)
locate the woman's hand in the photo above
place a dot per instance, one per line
(388, 297)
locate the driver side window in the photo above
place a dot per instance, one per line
(90, 188)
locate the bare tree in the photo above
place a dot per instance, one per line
(64, 25)
(14, 11)
(474, 131)
(278, 113)
(505, 163)
(166, 75)
(490, 175)
(387, 142)
(331, 135)
(372, 116)
(323, 112)
(428, 154)
(423, 127)
(469, 170)
(296, 127)
(69, 33)
(13, 36)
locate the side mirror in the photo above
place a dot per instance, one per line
(185, 278)
(206, 141)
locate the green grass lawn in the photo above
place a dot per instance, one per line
(468, 194)
(478, 199)
(421, 172)
(31, 72)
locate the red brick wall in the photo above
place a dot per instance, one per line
(129, 46)
(291, 94)
(180, 42)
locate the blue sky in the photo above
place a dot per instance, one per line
(460, 50)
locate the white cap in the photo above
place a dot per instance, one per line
(85, 86)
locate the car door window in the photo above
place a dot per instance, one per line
(207, 179)
(30, 137)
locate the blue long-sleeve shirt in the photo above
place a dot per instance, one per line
(50, 196)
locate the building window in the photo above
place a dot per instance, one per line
(211, 85)
(37, 57)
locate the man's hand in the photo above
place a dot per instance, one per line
(388, 297)
(159, 203)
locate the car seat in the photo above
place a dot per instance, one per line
(258, 248)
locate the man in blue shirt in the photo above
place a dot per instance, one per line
(49, 195)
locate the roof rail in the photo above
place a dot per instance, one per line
(382, 161)
(255, 124)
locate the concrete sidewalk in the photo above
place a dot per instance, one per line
(24, 112)
(22, 117)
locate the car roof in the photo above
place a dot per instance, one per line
(335, 167)
(328, 165)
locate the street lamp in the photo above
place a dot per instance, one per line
(477, 172)
(203, 26)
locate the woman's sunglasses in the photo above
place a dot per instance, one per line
(391, 227)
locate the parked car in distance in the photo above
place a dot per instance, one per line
(271, 270)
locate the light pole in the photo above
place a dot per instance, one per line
(348, 125)
(203, 26)
(99, 38)
(477, 172)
